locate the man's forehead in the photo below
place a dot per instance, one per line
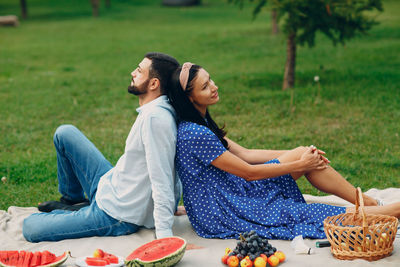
(145, 63)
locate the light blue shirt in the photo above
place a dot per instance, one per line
(142, 188)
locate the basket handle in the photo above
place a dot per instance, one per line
(360, 205)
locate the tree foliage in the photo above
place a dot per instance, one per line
(340, 20)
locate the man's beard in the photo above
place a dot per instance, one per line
(140, 89)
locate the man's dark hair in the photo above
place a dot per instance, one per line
(162, 67)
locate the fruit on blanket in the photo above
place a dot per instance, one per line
(224, 259)
(264, 257)
(28, 259)
(102, 255)
(98, 253)
(281, 256)
(246, 262)
(227, 251)
(160, 252)
(111, 258)
(91, 261)
(233, 261)
(253, 246)
(273, 260)
(260, 262)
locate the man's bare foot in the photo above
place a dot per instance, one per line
(180, 211)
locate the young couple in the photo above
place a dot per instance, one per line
(227, 189)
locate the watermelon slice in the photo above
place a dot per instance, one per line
(160, 252)
(28, 259)
(91, 261)
(47, 257)
(111, 258)
(36, 259)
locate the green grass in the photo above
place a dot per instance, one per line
(64, 66)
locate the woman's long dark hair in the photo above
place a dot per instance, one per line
(184, 107)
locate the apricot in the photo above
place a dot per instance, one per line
(260, 262)
(233, 261)
(273, 260)
(281, 256)
(224, 259)
(98, 253)
(265, 257)
(246, 262)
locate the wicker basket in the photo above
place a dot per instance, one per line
(360, 236)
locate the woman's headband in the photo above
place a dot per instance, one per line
(184, 75)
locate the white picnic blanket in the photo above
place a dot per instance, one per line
(210, 255)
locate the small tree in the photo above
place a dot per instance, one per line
(340, 20)
(95, 7)
(24, 9)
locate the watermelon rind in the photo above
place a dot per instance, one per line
(167, 261)
(60, 260)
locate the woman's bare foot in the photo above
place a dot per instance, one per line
(390, 209)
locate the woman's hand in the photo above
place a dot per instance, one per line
(312, 159)
(320, 152)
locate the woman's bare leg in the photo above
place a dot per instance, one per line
(390, 209)
(327, 180)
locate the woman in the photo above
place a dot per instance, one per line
(228, 189)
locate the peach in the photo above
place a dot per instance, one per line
(246, 262)
(281, 256)
(98, 253)
(260, 262)
(233, 261)
(273, 260)
(265, 257)
(224, 259)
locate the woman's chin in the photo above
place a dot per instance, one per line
(215, 100)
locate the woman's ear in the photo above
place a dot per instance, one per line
(190, 98)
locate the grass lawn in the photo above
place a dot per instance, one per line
(64, 66)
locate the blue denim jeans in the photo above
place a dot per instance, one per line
(80, 166)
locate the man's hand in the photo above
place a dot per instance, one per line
(180, 211)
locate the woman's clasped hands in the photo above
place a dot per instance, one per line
(313, 158)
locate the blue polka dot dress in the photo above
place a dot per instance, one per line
(222, 205)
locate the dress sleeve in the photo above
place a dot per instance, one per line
(205, 145)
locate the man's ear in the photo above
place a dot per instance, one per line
(154, 84)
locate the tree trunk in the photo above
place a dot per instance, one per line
(95, 7)
(108, 3)
(24, 10)
(274, 22)
(290, 67)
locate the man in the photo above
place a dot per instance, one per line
(140, 191)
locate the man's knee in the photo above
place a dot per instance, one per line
(64, 132)
(30, 229)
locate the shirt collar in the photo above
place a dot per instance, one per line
(152, 103)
